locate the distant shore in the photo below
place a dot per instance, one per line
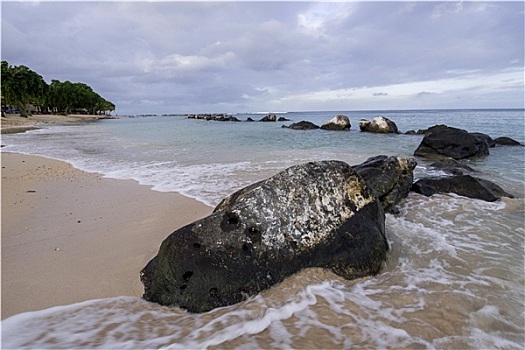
(70, 236)
(14, 123)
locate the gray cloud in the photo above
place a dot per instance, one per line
(163, 57)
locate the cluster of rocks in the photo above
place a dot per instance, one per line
(320, 214)
(449, 146)
(445, 141)
(379, 124)
(437, 138)
(269, 118)
(230, 118)
(339, 122)
(214, 117)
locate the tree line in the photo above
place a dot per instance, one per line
(26, 91)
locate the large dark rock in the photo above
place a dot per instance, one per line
(302, 125)
(506, 141)
(379, 124)
(389, 179)
(319, 214)
(463, 185)
(444, 141)
(339, 122)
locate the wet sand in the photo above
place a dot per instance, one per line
(14, 123)
(70, 236)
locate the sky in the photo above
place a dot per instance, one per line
(235, 57)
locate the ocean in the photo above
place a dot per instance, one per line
(454, 277)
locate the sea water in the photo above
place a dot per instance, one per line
(454, 277)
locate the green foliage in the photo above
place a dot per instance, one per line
(22, 87)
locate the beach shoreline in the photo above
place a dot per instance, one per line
(14, 123)
(70, 236)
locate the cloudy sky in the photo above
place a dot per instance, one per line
(195, 57)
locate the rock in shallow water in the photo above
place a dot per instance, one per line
(381, 125)
(506, 141)
(269, 118)
(389, 178)
(463, 185)
(319, 214)
(444, 141)
(339, 122)
(302, 125)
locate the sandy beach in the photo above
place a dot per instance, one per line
(14, 123)
(70, 236)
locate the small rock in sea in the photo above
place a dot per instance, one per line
(339, 122)
(506, 141)
(381, 125)
(283, 119)
(302, 125)
(269, 118)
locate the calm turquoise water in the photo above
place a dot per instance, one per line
(454, 277)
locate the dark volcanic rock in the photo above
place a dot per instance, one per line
(452, 166)
(227, 119)
(485, 137)
(506, 141)
(444, 141)
(269, 118)
(283, 119)
(463, 185)
(319, 214)
(339, 122)
(380, 125)
(389, 179)
(302, 125)
(214, 117)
